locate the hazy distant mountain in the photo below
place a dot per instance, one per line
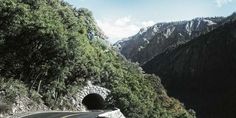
(202, 72)
(154, 40)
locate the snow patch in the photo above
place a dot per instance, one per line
(209, 22)
(140, 48)
(146, 41)
(142, 30)
(188, 28)
(198, 23)
(155, 28)
(181, 35)
(169, 32)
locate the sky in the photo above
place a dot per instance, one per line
(123, 18)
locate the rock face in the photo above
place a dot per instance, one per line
(202, 72)
(154, 40)
(21, 104)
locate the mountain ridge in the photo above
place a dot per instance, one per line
(153, 40)
(201, 72)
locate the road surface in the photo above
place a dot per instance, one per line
(93, 114)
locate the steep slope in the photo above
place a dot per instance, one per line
(202, 72)
(230, 18)
(47, 53)
(154, 40)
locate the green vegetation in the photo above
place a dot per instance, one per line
(45, 51)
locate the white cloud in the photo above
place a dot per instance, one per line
(120, 28)
(220, 3)
(148, 23)
(123, 21)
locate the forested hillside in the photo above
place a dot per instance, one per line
(47, 54)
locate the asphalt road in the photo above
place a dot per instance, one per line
(93, 114)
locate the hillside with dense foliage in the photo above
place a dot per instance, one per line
(46, 55)
(202, 72)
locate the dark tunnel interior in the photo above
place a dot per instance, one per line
(94, 102)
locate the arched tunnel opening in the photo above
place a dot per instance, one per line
(94, 102)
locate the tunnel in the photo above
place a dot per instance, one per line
(93, 102)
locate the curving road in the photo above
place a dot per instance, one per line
(93, 114)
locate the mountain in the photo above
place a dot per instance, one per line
(202, 72)
(230, 18)
(50, 50)
(154, 40)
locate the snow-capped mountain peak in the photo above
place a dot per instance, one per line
(153, 40)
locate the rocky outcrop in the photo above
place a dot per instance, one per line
(21, 104)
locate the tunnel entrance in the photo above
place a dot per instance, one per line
(93, 102)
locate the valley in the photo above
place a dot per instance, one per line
(199, 72)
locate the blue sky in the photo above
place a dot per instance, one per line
(123, 18)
